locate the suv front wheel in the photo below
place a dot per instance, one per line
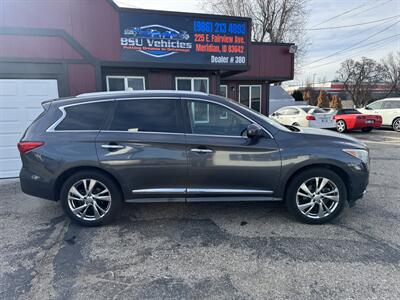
(316, 196)
(91, 198)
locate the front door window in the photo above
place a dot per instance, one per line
(213, 119)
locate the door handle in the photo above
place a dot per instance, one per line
(112, 147)
(197, 150)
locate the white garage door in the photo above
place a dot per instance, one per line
(19, 105)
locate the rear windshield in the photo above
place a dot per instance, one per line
(316, 110)
(349, 111)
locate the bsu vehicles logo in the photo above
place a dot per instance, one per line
(156, 40)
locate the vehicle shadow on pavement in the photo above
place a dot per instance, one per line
(191, 250)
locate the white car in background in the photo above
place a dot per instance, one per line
(304, 116)
(388, 109)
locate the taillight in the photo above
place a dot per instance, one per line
(310, 118)
(24, 147)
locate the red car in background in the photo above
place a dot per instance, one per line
(350, 119)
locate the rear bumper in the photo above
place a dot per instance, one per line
(360, 125)
(34, 185)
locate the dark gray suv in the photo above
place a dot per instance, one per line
(95, 151)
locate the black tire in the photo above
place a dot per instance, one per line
(366, 129)
(341, 126)
(104, 180)
(396, 124)
(298, 180)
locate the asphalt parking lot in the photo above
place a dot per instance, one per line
(225, 250)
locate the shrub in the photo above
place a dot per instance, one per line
(297, 95)
(323, 100)
(336, 102)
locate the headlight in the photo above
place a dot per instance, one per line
(362, 155)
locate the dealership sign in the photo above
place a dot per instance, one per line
(211, 42)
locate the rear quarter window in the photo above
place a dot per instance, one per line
(89, 116)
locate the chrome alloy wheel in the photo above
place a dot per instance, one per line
(89, 199)
(317, 197)
(341, 126)
(396, 125)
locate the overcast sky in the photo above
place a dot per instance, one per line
(373, 40)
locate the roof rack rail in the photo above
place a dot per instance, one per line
(93, 94)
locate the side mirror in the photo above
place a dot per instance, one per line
(254, 131)
(273, 114)
(368, 108)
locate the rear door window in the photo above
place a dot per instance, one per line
(148, 115)
(88, 116)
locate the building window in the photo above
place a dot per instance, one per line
(125, 83)
(250, 95)
(223, 90)
(194, 84)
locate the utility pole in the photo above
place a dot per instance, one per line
(313, 81)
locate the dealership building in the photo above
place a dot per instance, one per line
(62, 48)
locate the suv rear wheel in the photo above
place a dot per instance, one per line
(91, 198)
(316, 196)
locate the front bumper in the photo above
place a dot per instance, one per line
(358, 182)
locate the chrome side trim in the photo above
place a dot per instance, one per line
(112, 146)
(160, 191)
(143, 132)
(201, 191)
(230, 108)
(263, 198)
(202, 150)
(156, 199)
(172, 133)
(229, 191)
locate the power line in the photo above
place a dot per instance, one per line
(389, 39)
(354, 45)
(341, 14)
(368, 9)
(354, 25)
